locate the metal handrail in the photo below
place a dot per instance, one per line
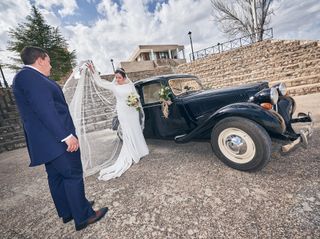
(233, 44)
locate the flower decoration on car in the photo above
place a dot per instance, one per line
(164, 95)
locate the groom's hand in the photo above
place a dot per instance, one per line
(73, 144)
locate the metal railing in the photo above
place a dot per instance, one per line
(229, 45)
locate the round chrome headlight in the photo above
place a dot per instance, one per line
(274, 95)
(282, 89)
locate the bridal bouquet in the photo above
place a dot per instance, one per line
(133, 101)
(164, 94)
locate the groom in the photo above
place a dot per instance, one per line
(51, 138)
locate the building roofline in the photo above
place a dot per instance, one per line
(146, 48)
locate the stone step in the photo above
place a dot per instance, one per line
(290, 83)
(10, 128)
(87, 88)
(258, 77)
(226, 63)
(290, 75)
(98, 111)
(98, 126)
(88, 107)
(9, 115)
(291, 46)
(255, 50)
(98, 100)
(305, 68)
(10, 121)
(11, 136)
(305, 80)
(94, 119)
(304, 89)
(265, 49)
(11, 145)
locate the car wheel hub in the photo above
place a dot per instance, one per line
(236, 145)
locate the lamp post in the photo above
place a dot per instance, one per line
(112, 65)
(189, 33)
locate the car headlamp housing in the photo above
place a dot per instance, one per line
(281, 87)
(274, 96)
(268, 95)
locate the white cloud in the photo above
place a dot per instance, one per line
(51, 18)
(11, 13)
(123, 27)
(68, 6)
(296, 19)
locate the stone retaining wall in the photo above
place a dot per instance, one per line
(294, 62)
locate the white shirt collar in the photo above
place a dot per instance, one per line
(32, 68)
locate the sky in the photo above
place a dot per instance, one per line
(101, 30)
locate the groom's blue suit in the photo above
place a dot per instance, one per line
(46, 120)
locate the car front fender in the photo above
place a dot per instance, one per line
(268, 119)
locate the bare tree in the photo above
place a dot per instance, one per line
(243, 17)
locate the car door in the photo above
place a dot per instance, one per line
(156, 125)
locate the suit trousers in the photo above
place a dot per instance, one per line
(65, 177)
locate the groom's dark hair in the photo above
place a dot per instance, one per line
(30, 54)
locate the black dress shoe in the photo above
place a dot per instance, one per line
(68, 219)
(93, 219)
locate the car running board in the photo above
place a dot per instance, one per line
(180, 138)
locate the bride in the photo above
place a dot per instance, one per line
(101, 150)
(134, 145)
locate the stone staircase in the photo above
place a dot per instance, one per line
(11, 131)
(96, 114)
(297, 63)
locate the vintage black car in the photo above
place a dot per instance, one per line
(239, 121)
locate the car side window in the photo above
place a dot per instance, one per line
(151, 93)
(182, 85)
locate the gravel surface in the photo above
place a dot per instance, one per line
(178, 191)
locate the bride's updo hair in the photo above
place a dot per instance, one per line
(121, 71)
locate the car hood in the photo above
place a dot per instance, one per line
(204, 102)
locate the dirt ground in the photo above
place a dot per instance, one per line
(178, 191)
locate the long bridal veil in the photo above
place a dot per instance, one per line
(92, 106)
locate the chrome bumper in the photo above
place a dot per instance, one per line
(305, 133)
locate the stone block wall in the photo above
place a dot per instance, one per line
(294, 62)
(11, 132)
(134, 76)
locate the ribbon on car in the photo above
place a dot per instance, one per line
(165, 108)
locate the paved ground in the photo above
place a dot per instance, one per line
(178, 191)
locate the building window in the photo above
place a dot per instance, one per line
(163, 55)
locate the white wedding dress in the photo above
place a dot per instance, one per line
(101, 149)
(134, 146)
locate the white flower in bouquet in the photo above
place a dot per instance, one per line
(133, 101)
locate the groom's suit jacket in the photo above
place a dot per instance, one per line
(45, 115)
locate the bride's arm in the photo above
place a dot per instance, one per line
(103, 83)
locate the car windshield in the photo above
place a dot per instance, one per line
(184, 85)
